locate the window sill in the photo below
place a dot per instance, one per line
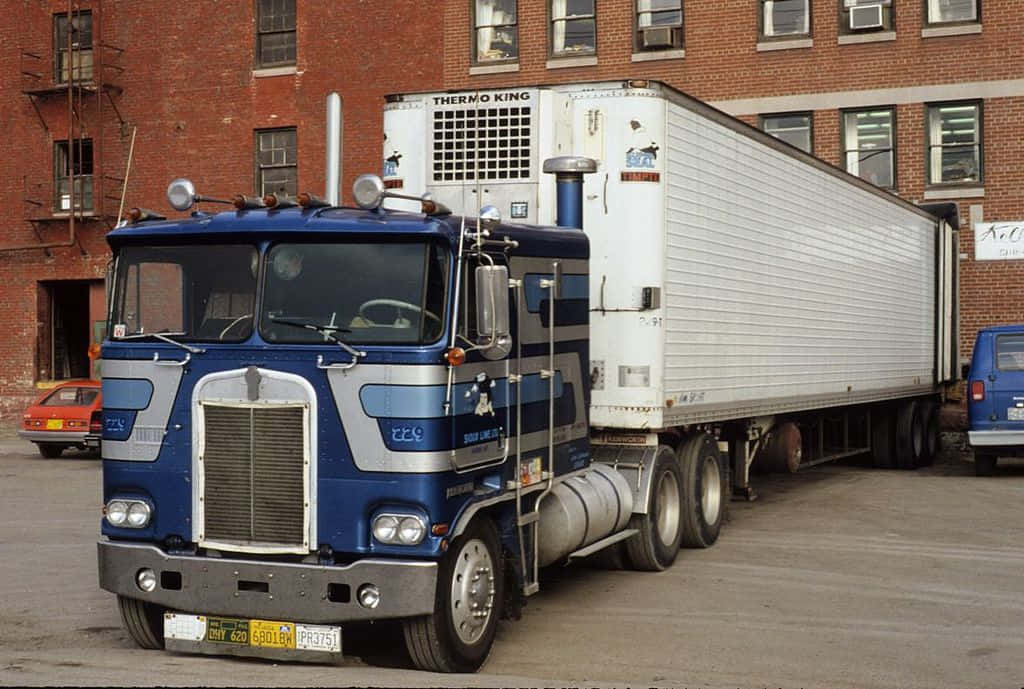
(273, 71)
(494, 69)
(954, 193)
(957, 30)
(876, 37)
(650, 55)
(792, 44)
(564, 62)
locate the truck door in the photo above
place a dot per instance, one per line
(482, 395)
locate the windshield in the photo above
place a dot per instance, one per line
(357, 292)
(192, 292)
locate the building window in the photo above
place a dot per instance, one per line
(497, 35)
(659, 24)
(785, 18)
(862, 16)
(277, 170)
(954, 143)
(794, 128)
(72, 160)
(72, 49)
(573, 31)
(945, 11)
(275, 33)
(869, 145)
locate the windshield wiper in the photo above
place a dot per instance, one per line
(164, 336)
(328, 331)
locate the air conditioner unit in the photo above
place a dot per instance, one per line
(656, 37)
(866, 17)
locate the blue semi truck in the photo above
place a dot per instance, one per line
(317, 415)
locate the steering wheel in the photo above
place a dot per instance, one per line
(232, 324)
(398, 304)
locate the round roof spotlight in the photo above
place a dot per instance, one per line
(368, 191)
(181, 194)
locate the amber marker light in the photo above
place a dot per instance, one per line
(456, 356)
(439, 529)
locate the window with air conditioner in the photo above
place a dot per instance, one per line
(659, 25)
(785, 18)
(865, 16)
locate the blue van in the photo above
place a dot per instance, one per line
(995, 396)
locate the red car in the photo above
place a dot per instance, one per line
(69, 415)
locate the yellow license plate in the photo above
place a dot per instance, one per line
(269, 634)
(54, 424)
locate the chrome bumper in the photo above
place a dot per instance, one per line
(62, 437)
(995, 438)
(269, 590)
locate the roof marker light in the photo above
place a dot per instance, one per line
(246, 203)
(140, 214)
(307, 200)
(275, 201)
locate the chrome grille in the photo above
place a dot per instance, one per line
(254, 486)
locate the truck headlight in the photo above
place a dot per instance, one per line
(128, 514)
(399, 529)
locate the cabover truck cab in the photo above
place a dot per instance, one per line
(995, 405)
(316, 415)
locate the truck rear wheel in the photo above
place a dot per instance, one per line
(704, 490)
(909, 435)
(459, 634)
(932, 436)
(144, 622)
(656, 546)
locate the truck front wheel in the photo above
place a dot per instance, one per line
(459, 634)
(144, 622)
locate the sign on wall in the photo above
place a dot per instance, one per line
(998, 241)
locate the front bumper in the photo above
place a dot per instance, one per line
(61, 437)
(269, 590)
(995, 438)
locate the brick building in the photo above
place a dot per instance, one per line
(924, 97)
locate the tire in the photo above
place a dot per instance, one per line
(705, 490)
(50, 450)
(932, 435)
(909, 435)
(144, 622)
(449, 640)
(883, 438)
(656, 545)
(984, 463)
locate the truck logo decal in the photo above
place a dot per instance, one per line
(481, 392)
(391, 164)
(642, 157)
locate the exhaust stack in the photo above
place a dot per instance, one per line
(333, 175)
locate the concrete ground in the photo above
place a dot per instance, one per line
(840, 576)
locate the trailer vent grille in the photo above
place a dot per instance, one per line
(482, 144)
(254, 477)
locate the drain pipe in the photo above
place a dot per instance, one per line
(333, 174)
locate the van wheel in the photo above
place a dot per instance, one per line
(656, 546)
(144, 622)
(984, 463)
(459, 634)
(705, 490)
(883, 438)
(932, 435)
(909, 435)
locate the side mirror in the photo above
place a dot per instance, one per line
(492, 316)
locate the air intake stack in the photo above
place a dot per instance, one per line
(568, 172)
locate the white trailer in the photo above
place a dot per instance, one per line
(738, 286)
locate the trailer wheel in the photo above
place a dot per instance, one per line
(705, 490)
(656, 546)
(932, 435)
(883, 438)
(144, 622)
(984, 463)
(459, 634)
(909, 435)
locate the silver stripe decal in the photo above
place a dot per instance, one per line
(147, 437)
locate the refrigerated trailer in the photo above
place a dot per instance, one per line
(737, 284)
(317, 415)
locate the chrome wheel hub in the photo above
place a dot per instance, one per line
(472, 596)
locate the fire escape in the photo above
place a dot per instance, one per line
(80, 73)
